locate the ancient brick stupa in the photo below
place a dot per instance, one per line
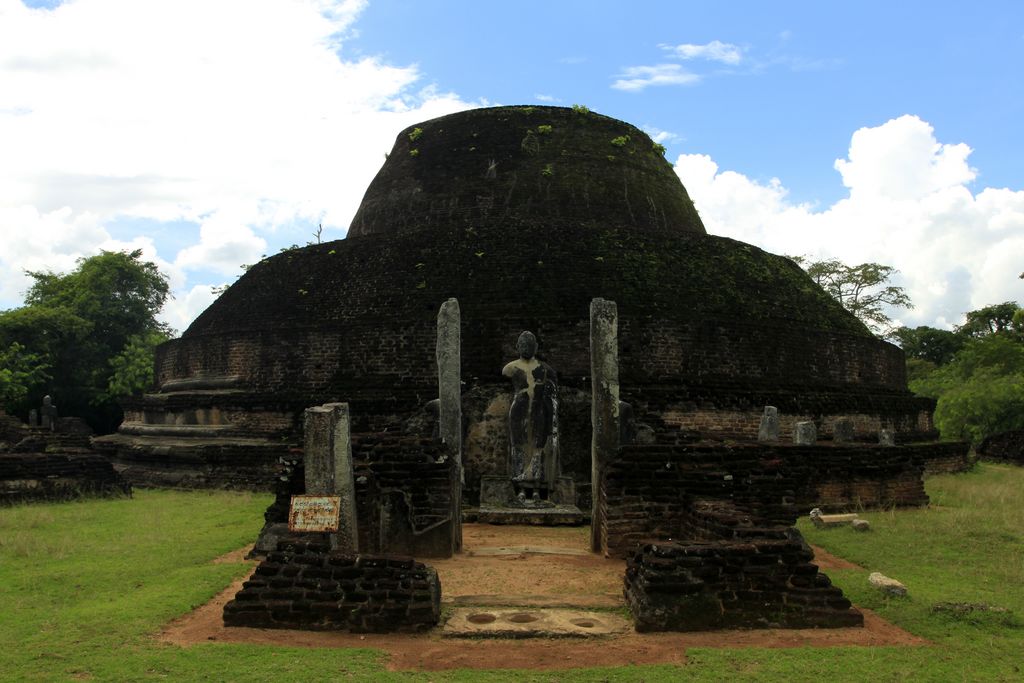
(524, 214)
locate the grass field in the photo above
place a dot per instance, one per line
(83, 586)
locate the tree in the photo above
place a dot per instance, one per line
(132, 369)
(863, 290)
(981, 391)
(77, 322)
(928, 343)
(996, 319)
(19, 372)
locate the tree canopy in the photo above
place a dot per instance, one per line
(74, 325)
(995, 319)
(976, 373)
(928, 343)
(864, 289)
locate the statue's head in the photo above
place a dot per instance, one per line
(47, 400)
(527, 345)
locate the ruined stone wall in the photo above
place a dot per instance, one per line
(1005, 447)
(403, 494)
(730, 411)
(304, 585)
(946, 457)
(230, 465)
(649, 491)
(736, 424)
(377, 353)
(759, 583)
(28, 477)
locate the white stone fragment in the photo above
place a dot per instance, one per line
(886, 585)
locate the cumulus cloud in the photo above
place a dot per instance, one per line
(242, 119)
(909, 205)
(635, 78)
(715, 51)
(186, 307)
(660, 136)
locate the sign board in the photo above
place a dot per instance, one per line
(314, 513)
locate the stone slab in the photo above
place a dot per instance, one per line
(558, 515)
(841, 518)
(526, 549)
(567, 601)
(483, 622)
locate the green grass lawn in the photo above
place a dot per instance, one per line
(83, 586)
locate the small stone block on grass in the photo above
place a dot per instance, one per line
(886, 585)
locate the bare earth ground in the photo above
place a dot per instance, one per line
(525, 566)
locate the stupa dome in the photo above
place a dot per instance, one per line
(525, 214)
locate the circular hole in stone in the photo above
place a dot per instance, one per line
(522, 618)
(584, 623)
(483, 618)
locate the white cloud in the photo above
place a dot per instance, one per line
(187, 305)
(715, 51)
(634, 78)
(661, 136)
(240, 117)
(909, 206)
(545, 98)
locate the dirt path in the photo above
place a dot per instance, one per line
(496, 570)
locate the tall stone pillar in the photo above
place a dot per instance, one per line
(449, 391)
(329, 468)
(604, 404)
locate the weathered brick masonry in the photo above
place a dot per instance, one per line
(707, 530)
(650, 490)
(524, 214)
(28, 477)
(305, 585)
(760, 583)
(1005, 447)
(403, 493)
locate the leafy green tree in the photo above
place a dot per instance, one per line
(77, 322)
(863, 290)
(996, 319)
(936, 346)
(20, 371)
(981, 391)
(133, 367)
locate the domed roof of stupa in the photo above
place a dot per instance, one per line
(525, 214)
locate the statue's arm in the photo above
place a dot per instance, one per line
(509, 369)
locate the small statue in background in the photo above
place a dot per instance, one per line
(48, 414)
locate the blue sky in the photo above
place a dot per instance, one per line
(810, 73)
(208, 134)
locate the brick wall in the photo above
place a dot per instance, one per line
(648, 491)
(49, 476)
(243, 466)
(305, 585)
(403, 489)
(760, 583)
(1005, 447)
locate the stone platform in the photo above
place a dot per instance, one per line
(518, 622)
(558, 515)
